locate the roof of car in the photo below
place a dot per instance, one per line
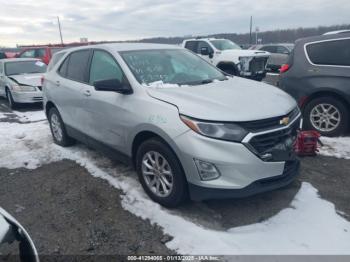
(119, 47)
(323, 37)
(19, 59)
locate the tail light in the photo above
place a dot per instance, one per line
(284, 68)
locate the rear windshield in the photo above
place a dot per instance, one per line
(24, 67)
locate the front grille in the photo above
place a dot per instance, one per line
(267, 142)
(270, 123)
(257, 65)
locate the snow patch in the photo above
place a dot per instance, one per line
(337, 147)
(310, 226)
(30, 116)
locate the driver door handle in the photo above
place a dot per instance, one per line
(87, 93)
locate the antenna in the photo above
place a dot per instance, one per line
(59, 28)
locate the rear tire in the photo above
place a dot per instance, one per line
(58, 129)
(326, 111)
(155, 151)
(12, 104)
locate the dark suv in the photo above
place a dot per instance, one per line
(317, 75)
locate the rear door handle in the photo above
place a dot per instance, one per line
(87, 93)
(58, 83)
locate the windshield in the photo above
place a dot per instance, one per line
(224, 44)
(179, 67)
(24, 67)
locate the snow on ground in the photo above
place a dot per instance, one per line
(30, 116)
(337, 147)
(309, 226)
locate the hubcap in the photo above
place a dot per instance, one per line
(325, 117)
(56, 127)
(157, 174)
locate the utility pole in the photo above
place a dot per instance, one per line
(251, 28)
(59, 28)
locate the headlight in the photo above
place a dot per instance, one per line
(21, 88)
(223, 131)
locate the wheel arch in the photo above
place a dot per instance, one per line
(48, 106)
(327, 93)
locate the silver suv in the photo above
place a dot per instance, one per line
(189, 130)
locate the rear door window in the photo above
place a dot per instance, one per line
(77, 65)
(269, 48)
(191, 45)
(334, 53)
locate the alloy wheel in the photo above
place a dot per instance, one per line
(157, 174)
(325, 117)
(56, 127)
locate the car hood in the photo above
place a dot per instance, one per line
(244, 53)
(236, 99)
(27, 79)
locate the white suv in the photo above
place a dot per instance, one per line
(230, 57)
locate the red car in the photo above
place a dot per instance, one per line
(43, 53)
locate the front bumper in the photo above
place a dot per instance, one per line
(245, 168)
(27, 97)
(291, 170)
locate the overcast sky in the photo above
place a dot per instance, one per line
(34, 21)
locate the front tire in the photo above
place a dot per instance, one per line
(327, 115)
(12, 104)
(161, 174)
(58, 129)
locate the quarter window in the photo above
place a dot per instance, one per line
(63, 68)
(335, 52)
(77, 65)
(104, 67)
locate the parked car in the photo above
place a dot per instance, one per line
(43, 53)
(279, 54)
(184, 125)
(337, 32)
(317, 75)
(230, 57)
(12, 231)
(20, 80)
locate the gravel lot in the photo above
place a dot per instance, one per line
(68, 211)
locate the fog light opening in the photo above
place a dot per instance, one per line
(207, 171)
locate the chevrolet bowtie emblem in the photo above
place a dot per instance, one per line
(284, 121)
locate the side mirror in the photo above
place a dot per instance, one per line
(204, 51)
(11, 231)
(113, 85)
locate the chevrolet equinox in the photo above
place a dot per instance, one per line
(187, 128)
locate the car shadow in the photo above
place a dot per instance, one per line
(229, 213)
